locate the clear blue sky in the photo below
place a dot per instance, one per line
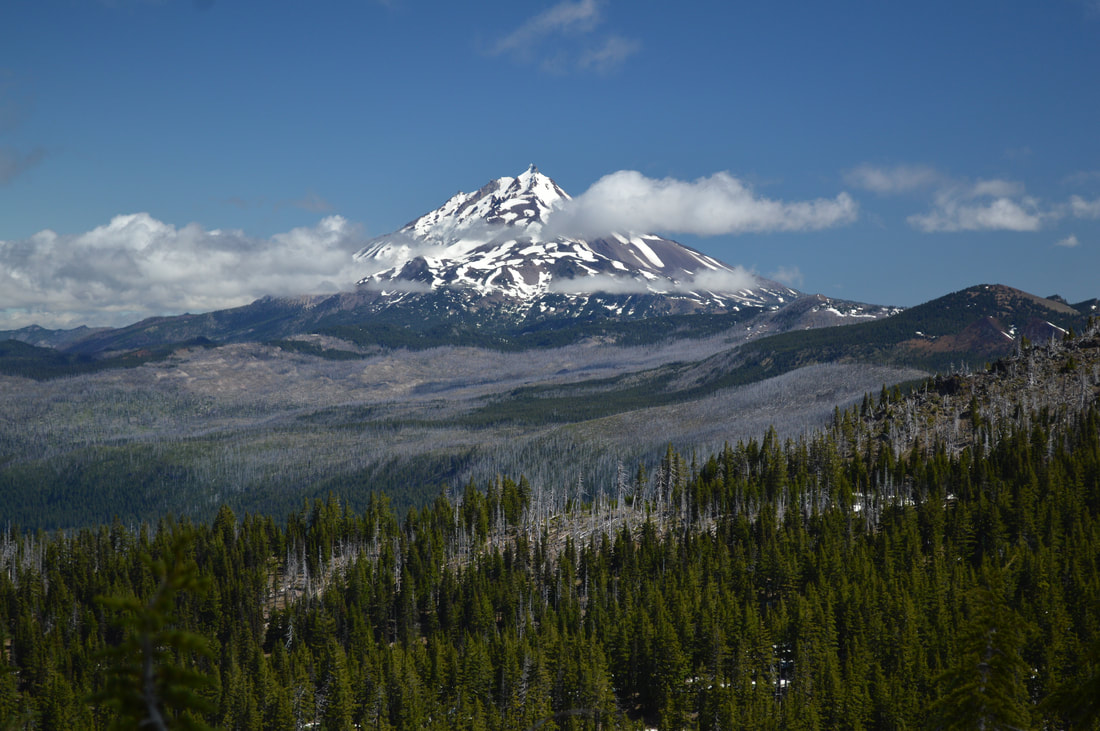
(967, 134)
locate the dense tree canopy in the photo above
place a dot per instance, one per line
(826, 583)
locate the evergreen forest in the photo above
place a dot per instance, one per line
(845, 580)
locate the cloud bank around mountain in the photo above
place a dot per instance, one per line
(137, 266)
(706, 281)
(790, 276)
(629, 202)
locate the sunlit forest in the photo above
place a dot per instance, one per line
(872, 575)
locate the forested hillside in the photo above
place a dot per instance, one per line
(968, 328)
(260, 428)
(844, 580)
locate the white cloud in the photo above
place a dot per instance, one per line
(562, 40)
(629, 202)
(1068, 242)
(988, 205)
(959, 205)
(609, 56)
(717, 281)
(1084, 209)
(565, 17)
(890, 180)
(790, 276)
(996, 188)
(397, 285)
(1082, 177)
(721, 281)
(599, 283)
(137, 266)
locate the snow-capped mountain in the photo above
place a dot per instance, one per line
(499, 246)
(494, 267)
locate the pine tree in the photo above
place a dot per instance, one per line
(985, 688)
(151, 680)
(1079, 702)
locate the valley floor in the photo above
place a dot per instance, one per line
(261, 428)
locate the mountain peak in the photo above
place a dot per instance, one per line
(505, 206)
(494, 242)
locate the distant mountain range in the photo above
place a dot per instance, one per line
(491, 268)
(487, 268)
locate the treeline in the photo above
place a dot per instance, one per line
(824, 583)
(440, 326)
(42, 364)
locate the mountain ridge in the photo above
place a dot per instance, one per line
(964, 328)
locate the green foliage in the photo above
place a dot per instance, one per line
(414, 332)
(985, 686)
(1078, 701)
(307, 348)
(824, 583)
(30, 361)
(151, 678)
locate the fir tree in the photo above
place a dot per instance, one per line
(151, 679)
(985, 688)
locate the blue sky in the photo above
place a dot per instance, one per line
(267, 140)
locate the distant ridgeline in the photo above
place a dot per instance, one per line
(932, 560)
